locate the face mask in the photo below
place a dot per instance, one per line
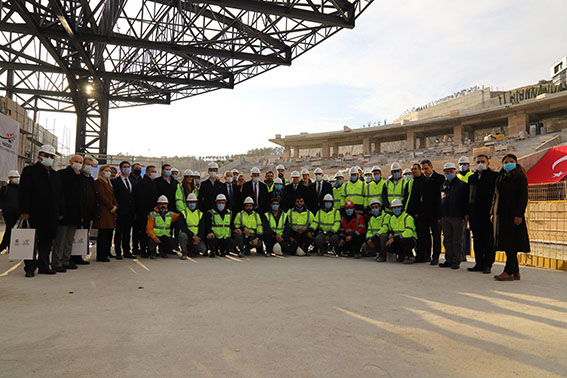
(167, 173)
(46, 161)
(212, 174)
(220, 206)
(16, 181)
(126, 171)
(397, 211)
(256, 180)
(229, 179)
(353, 178)
(234, 178)
(339, 183)
(318, 177)
(481, 167)
(377, 178)
(76, 166)
(349, 212)
(508, 167)
(368, 179)
(192, 206)
(279, 187)
(299, 208)
(375, 212)
(275, 207)
(407, 177)
(464, 168)
(88, 169)
(450, 176)
(328, 205)
(106, 174)
(333, 184)
(396, 176)
(162, 210)
(154, 175)
(137, 172)
(197, 182)
(174, 177)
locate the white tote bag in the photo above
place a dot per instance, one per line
(80, 243)
(22, 242)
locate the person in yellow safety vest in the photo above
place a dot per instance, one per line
(394, 188)
(248, 229)
(274, 227)
(281, 174)
(191, 230)
(375, 188)
(354, 191)
(465, 169)
(377, 232)
(338, 191)
(269, 180)
(299, 228)
(158, 229)
(401, 233)
(367, 176)
(183, 190)
(332, 181)
(218, 228)
(327, 223)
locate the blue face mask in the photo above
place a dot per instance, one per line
(377, 178)
(220, 206)
(464, 168)
(397, 211)
(353, 178)
(275, 207)
(450, 176)
(375, 212)
(174, 177)
(349, 212)
(197, 181)
(192, 206)
(167, 173)
(126, 171)
(279, 187)
(332, 184)
(339, 183)
(328, 205)
(508, 167)
(396, 175)
(368, 179)
(299, 208)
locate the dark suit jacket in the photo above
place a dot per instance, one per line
(167, 189)
(74, 188)
(263, 197)
(125, 198)
(232, 202)
(325, 189)
(289, 194)
(208, 193)
(145, 197)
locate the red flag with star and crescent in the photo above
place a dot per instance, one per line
(552, 167)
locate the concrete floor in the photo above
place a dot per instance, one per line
(280, 317)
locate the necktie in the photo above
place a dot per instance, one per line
(127, 184)
(230, 192)
(256, 195)
(318, 189)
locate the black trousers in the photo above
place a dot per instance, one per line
(301, 240)
(122, 235)
(140, 238)
(221, 246)
(10, 219)
(403, 247)
(269, 238)
(44, 241)
(428, 229)
(353, 246)
(166, 246)
(512, 265)
(103, 243)
(483, 239)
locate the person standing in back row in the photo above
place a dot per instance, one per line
(9, 205)
(124, 193)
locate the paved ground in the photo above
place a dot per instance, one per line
(280, 317)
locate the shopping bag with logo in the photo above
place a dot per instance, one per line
(80, 243)
(22, 241)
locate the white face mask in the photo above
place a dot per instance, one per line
(106, 174)
(212, 174)
(154, 175)
(255, 180)
(88, 169)
(481, 167)
(229, 179)
(47, 161)
(318, 177)
(15, 180)
(76, 166)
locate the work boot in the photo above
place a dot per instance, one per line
(446, 264)
(30, 274)
(475, 268)
(504, 277)
(408, 260)
(517, 277)
(381, 259)
(487, 270)
(60, 269)
(455, 266)
(71, 266)
(434, 261)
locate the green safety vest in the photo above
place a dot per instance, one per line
(338, 197)
(250, 221)
(354, 192)
(276, 227)
(270, 187)
(465, 177)
(403, 226)
(395, 190)
(192, 218)
(374, 190)
(221, 226)
(378, 225)
(299, 220)
(162, 226)
(180, 203)
(328, 220)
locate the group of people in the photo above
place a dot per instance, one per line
(399, 217)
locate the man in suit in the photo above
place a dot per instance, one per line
(210, 188)
(124, 193)
(291, 191)
(320, 188)
(258, 191)
(166, 185)
(145, 197)
(230, 190)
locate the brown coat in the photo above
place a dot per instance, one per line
(107, 201)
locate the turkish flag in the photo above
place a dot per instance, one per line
(551, 168)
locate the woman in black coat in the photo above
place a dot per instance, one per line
(508, 215)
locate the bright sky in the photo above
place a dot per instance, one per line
(400, 54)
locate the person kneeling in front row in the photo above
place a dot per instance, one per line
(191, 229)
(218, 228)
(158, 228)
(377, 233)
(248, 229)
(402, 236)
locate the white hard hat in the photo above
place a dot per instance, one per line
(325, 177)
(449, 165)
(464, 160)
(397, 203)
(328, 197)
(213, 165)
(277, 248)
(187, 173)
(367, 171)
(173, 169)
(299, 251)
(407, 170)
(333, 178)
(13, 173)
(395, 166)
(358, 167)
(295, 174)
(376, 168)
(280, 166)
(235, 171)
(255, 170)
(48, 149)
(220, 197)
(304, 171)
(318, 171)
(191, 197)
(162, 199)
(197, 174)
(354, 170)
(247, 200)
(375, 201)
(278, 180)
(339, 174)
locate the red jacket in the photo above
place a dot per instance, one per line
(354, 225)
